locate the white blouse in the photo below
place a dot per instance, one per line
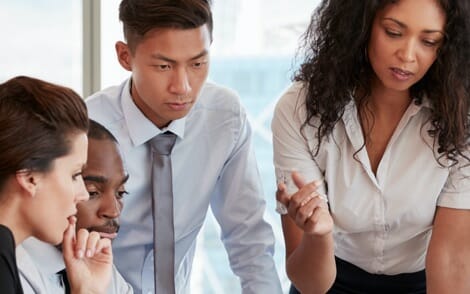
(382, 223)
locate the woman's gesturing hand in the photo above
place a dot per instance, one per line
(307, 207)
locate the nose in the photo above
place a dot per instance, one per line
(407, 51)
(110, 207)
(180, 84)
(81, 193)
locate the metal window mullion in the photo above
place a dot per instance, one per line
(91, 46)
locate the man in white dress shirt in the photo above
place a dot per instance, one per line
(212, 162)
(40, 263)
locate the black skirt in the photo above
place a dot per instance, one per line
(351, 279)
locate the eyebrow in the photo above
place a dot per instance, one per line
(167, 59)
(97, 179)
(401, 24)
(101, 179)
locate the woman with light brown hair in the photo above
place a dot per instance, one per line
(43, 148)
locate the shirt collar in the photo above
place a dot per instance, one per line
(350, 110)
(45, 255)
(141, 129)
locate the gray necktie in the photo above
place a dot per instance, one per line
(164, 239)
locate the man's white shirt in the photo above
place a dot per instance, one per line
(39, 264)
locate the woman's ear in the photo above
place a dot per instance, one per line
(28, 181)
(124, 55)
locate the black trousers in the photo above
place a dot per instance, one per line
(350, 279)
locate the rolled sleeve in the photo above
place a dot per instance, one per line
(456, 191)
(293, 150)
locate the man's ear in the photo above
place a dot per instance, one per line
(124, 55)
(28, 181)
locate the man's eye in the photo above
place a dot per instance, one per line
(199, 64)
(163, 67)
(120, 194)
(93, 194)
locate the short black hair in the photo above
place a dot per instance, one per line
(140, 16)
(98, 132)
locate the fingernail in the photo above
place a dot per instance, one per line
(323, 197)
(281, 208)
(80, 254)
(89, 253)
(318, 183)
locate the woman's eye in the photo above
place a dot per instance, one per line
(430, 43)
(393, 33)
(76, 176)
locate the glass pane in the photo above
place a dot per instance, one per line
(253, 52)
(43, 39)
(111, 31)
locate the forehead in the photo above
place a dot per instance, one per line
(419, 14)
(103, 154)
(78, 149)
(175, 43)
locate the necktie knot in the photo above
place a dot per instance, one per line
(163, 143)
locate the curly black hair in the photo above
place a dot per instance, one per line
(335, 65)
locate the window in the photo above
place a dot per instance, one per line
(253, 53)
(42, 39)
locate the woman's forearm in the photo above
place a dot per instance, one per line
(311, 267)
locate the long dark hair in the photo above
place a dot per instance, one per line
(37, 119)
(335, 66)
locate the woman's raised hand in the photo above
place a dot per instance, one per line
(307, 207)
(88, 260)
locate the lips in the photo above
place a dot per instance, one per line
(109, 231)
(179, 105)
(401, 74)
(107, 235)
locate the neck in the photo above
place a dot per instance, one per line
(11, 218)
(389, 102)
(145, 109)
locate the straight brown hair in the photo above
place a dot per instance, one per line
(37, 119)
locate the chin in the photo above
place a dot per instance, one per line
(53, 240)
(399, 87)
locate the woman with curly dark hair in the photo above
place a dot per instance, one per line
(376, 126)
